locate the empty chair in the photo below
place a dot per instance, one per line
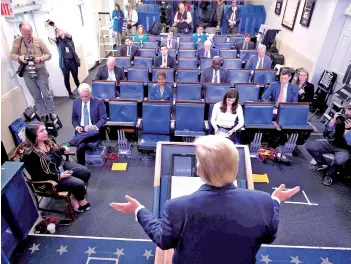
(248, 92)
(220, 39)
(232, 63)
(169, 74)
(239, 76)
(235, 40)
(223, 45)
(246, 54)
(214, 92)
(187, 63)
(137, 43)
(189, 121)
(138, 74)
(123, 62)
(190, 53)
(104, 89)
(228, 54)
(132, 90)
(258, 115)
(186, 45)
(156, 124)
(147, 52)
(188, 75)
(143, 62)
(185, 39)
(172, 52)
(150, 45)
(204, 63)
(263, 76)
(153, 38)
(123, 113)
(188, 91)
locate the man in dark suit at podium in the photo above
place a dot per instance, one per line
(219, 223)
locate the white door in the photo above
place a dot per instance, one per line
(342, 54)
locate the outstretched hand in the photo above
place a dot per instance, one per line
(284, 195)
(126, 208)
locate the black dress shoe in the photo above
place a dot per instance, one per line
(84, 207)
(72, 96)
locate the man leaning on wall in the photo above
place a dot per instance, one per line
(23, 49)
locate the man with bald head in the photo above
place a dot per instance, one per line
(207, 51)
(23, 48)
(216, 73)
(183, 20)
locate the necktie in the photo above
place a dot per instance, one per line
(281, 94)
(260, 64)
(215, 77)
(245, 46)
(164, 60)
(169, 44)
(86, 114)
(233, 15)
(128, 52)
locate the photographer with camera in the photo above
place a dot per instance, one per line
(131, 19)
(337, 141)
(31, 53)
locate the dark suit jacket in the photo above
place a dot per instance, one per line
(207, 75)
(171, 63)
(251, 64)
(102, 73)
(174, 43)
(239, 45)
(229, 13)
(134, 52)
(201, 53)
(273, 91)
(228, 229)
(97, 112)
(309, 92)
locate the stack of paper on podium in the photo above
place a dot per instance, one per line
(186, 185)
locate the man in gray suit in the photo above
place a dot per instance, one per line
(246, 44)
(215, 73)
(260, 61)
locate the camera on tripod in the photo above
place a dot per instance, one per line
(31, 68)
(165, 11)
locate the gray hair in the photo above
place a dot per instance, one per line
(25, 23)
(84, 87)
(111, 58)
(262, 47)
(216, 58)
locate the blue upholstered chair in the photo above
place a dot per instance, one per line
(258, 115)
(235, 40)
(263, 76)
(138, 74)
(189, 91)
(147, 52)
(232, 63)
(239, 76)
(143, 62)
(228, 54)
(169, 74)
(220, 39)
(189, 53)
(223, 45)
(150, 45)
(189, 121)
(204, 63)
(187, 75)
(186, 45)
(104, 89)
(187, 63)
(123, 62)
(153, 38)
(246, 54)
(137, 43)
(185, 39)
(214, 92)
(133, 90)
(156, 124)
(172, 52)
(248, 92)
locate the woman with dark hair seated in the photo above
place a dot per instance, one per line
(43, 160)
(306, 89)
(227, 116)
(161, 91)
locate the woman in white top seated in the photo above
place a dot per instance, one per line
(227, 116)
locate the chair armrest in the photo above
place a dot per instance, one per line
(276, 125)
(314, 128)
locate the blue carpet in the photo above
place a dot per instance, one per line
(70, 250)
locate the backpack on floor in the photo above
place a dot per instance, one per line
(155, 28)
(267, 153)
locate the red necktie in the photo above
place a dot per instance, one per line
(281, 94)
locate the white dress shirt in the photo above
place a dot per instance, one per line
(232, 18)
(258, 62)
(218, 79)
(226, 119)
(188, 20)
(133, 15)
(285, 94)
(82, 113)
(207, 54)
(111, 75)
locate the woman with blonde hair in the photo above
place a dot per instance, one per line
(306, 89)
(140, 35)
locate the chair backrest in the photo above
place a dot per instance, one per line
(147, 52)
(228, 54)
(123, 111)
(143, 62)
(204, 63)
(133, 90)
(153, 38)
(235, 40)
(239, 76)
(188, 75)
(248, 92)
(186, 45)
(123, 62)
(172, 52)
(150, 45)
(220, 39)
(185, 39)
(232, 63)
(223, 45)
(210, 109)
(189, 91)
(156, 117)
(263, 76)
(190, 53)
(246, 54)
(151, 84)
(258, 113)
(214, 92)
(137, 43)
(17, 129)
(187, 63)
(190, 116)
(104, 89)
(169, 74)
(138, 74)
(293, 114)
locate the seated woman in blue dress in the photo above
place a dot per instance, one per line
(227, 116)
(161, 91)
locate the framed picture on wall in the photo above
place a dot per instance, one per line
(307, 12)
(290, 13)
(278, 7)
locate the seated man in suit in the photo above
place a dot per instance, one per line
(215, 73)
(110, 72)
(164, 60)
(245, 45)
(129, 50)
(88, 117)
(282, 91)
(230, 232)
(170, 42)
(260, 61)
(207, 51)
(199, 36)
(233, 18)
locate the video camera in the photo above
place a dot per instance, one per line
(31, 68)
(165, 11)
(50, 22)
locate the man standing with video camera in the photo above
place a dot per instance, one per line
(31, 53)
(337, 141)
